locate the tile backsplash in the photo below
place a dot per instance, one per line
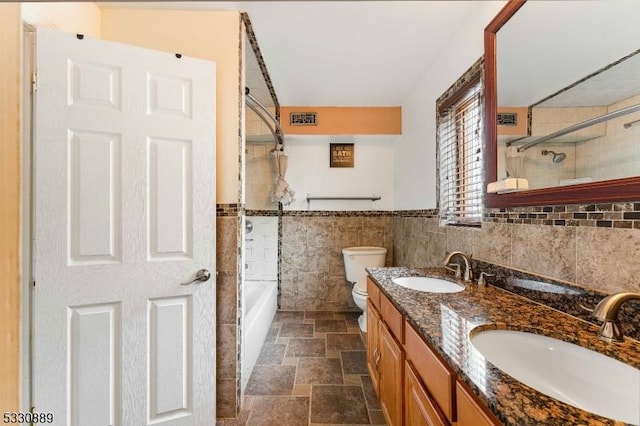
(573, 300)
(601, 215)
(585, 254)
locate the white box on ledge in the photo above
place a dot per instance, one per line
(508, 185)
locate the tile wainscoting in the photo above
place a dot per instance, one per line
(559, 243)
(227, 311)
(582, 253)
(312, 268)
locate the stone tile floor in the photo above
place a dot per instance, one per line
(311, 371)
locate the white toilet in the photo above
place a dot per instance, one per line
(355, 260)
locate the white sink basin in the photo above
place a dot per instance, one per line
(575, 375)
(431, 285)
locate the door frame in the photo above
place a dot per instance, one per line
(31, 21)
(26, 189)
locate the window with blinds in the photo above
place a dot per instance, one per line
(460, 160)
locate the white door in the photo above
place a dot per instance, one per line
(124, 213)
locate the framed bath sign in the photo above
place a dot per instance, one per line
(341, 154)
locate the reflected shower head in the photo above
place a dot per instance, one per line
(558, 157)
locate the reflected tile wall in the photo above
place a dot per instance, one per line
(313, 275)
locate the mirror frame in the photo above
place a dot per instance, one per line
(626, 189)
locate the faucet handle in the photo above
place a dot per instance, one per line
(610, 331)
(481, 279)
(457, 269)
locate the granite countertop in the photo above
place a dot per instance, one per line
(446, 320)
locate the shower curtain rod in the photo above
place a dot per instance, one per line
(580, 126)
(276, 137)
(261, 111)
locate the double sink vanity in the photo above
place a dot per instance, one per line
(442, 350)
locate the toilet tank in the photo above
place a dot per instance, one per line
(358, 258)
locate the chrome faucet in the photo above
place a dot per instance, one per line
(607, 311)
(468, 272)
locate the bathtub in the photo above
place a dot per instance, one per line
(258, 309)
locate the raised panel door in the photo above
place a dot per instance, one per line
(373, 345)
(391, 383)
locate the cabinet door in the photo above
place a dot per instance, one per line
(391, 381)
(373, 344)
(470, 413)
(419, 408)
(438, 379)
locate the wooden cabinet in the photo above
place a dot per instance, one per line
(415, 385)
(391, 363)
(419, 408)
(385, 356)
(438, 379)
(373, 345)
(470, 413)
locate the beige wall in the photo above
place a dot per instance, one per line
(10, 33)
(83, 18)
(211, 35)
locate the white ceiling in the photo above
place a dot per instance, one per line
(344, 53)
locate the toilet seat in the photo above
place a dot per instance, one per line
(360, 292)
(360, 288)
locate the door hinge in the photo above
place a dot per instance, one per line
(34, 81)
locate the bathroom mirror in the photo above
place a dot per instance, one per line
(558, 64)
(259, 163)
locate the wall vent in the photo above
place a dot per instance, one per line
(303, 118)
(508, 119)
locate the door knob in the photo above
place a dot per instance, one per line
(201, 276)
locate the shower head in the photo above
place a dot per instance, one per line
(558, 157)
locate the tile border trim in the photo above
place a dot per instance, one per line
(624, 215)
(600, 215)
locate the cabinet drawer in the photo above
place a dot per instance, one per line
(470, 413)
(392, 317)
(438, 379)
(373, 293)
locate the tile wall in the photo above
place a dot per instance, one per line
(227, 333)
(578, 251)
(261, 249)
(312, 267)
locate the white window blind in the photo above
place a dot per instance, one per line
(460, 158)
